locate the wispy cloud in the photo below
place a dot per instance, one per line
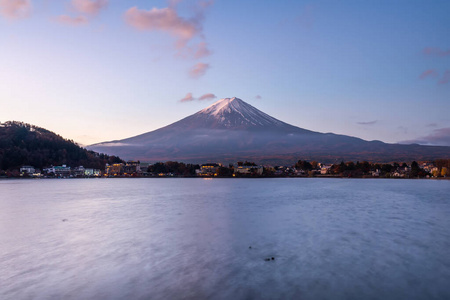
(429, 73)
(166, 20)
(435, 52)
(15, 9)
(368, 123)
(198, 51)
(183, 29)
(432, 125)
(445, 78)
(206, 4)
(89, 7)
(116, 144)
(435, 74)
(74, 21)
(258, 97)
(187, 98)
(85, 9)
(198, 70)
(438, 137)
(202, 50)
(207, 97)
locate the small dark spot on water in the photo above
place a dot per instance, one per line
(65, 220)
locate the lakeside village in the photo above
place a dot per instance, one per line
(436, 169)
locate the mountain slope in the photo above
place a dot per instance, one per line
(25, 144)
(231, 130)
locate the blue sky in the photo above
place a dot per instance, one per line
(103, 70)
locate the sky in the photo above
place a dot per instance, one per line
(102, 70)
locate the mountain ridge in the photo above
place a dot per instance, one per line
(231, 129)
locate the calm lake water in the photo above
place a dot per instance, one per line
(191, 239)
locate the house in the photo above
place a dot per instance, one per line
(114, 169)
(376, 173)
(27, 170)
(324, 169)
(78, 171)
(132, 167)
(257, 170)
(208, 169)
(58, 171)
(62, 171)
(88, 172)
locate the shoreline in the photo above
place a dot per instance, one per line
(221, 177)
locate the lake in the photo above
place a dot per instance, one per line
(190, 238)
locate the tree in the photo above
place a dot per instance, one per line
(303, 165)
(414, 169)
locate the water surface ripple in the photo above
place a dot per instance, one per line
(191, 239)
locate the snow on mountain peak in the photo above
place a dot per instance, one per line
(232, 112)
(222, 105)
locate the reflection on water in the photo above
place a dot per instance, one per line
(209, 239)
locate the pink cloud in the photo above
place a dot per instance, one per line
(168, 20)
(164, 19)
(89, 7)
(435, 52)
(207, 97)
(258, 97)
(198, 51)
(205, 4)
(445, 78)
(187, 98)
(174, 3)
(73, 21)
(202, 50)
(198, 70)
(429, 73)
(15, 9)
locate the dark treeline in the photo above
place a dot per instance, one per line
(305, 168)
(174, 167)
(443, 166)
(25, 144)
(360, 169)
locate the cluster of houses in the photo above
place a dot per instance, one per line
(400, 171)
(138, 169)
(210, 170)
(60, 171)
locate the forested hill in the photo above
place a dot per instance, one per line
(25, 144)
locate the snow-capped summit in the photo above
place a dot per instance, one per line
(234, 113)
(227, 105)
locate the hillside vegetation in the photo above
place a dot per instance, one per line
(25, 144)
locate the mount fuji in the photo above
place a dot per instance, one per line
(231, 130)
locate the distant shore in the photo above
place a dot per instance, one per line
(222, 177)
